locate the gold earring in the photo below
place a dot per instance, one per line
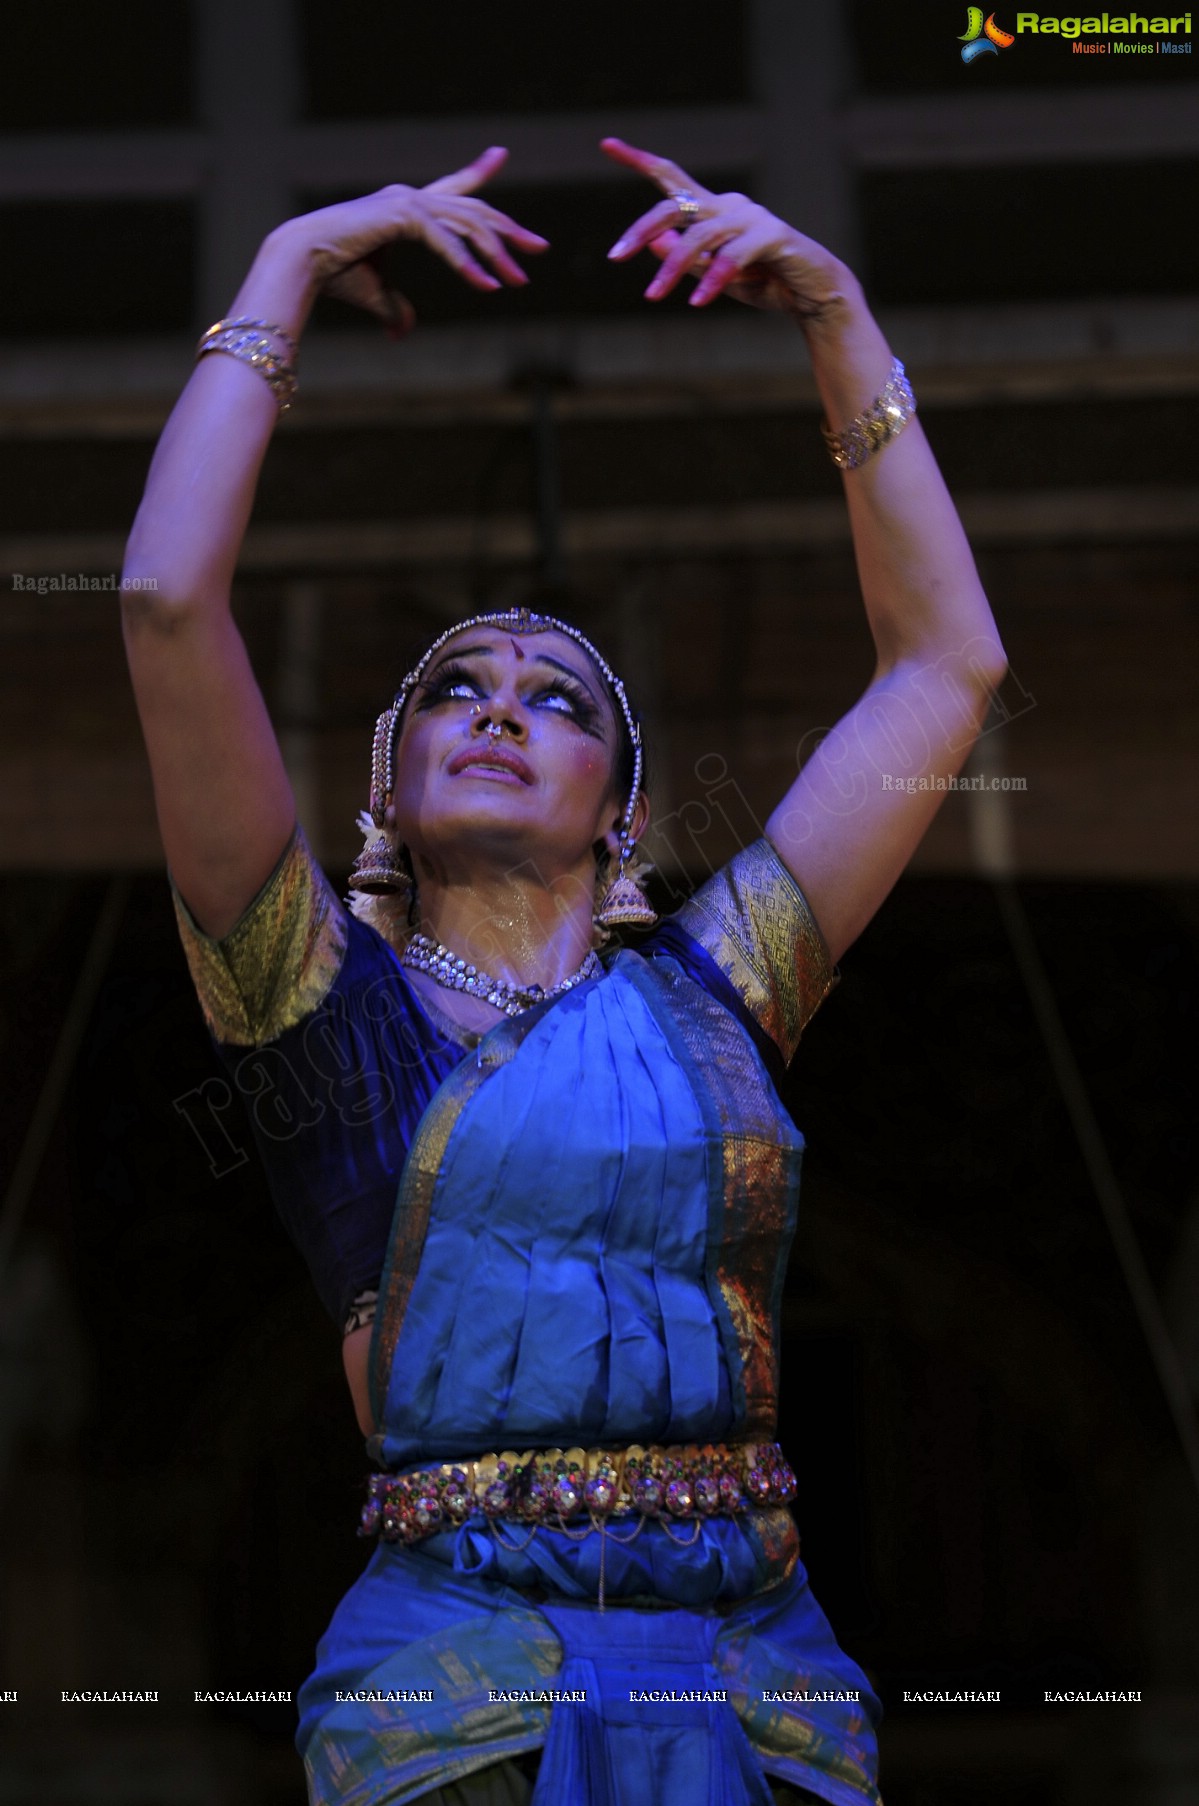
(624, 903)
(381, 870)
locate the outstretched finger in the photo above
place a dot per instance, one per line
(652, 225)
(667, 175)
(729, 266)
(720, 274)
(491, 246)
(473, 175)
(695, 246)
(507, 227)
(662, 247)
(448, 245)
(464, 209)
(664, 244)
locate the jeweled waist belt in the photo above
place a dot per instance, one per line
(563, 1487)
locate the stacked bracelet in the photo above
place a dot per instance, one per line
(886, 416)
(252, 342)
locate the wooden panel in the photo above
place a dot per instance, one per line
(748, 659)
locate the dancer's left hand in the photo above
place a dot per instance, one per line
(734, 247)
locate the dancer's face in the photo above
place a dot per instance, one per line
(542, 788)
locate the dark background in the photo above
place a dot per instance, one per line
(993, 1493)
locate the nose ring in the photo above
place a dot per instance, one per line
(493, 729)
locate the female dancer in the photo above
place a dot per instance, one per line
(560, 1334)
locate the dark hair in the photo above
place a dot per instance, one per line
(626, 756)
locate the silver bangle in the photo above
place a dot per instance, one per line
(881, 422)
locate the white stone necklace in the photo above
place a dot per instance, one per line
(445, 968)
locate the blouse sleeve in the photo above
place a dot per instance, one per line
(753, 920)
(278, 963)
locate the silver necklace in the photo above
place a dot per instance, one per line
(424, 954)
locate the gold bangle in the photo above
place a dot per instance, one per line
(881, 422)
(250, 341)
(263, 326)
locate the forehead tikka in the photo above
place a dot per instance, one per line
(514, 620)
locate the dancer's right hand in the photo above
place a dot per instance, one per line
(342, 242)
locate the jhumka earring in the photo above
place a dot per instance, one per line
(624, 903)
(379, 869)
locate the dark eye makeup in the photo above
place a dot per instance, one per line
(448, 678)
(454, 682)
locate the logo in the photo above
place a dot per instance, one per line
(1101, 34)
(983, 37)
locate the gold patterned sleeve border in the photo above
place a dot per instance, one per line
(278, 963)
(754, 921)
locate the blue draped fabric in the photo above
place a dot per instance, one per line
(562, 1284)
(587, 1248)
(573, 1249)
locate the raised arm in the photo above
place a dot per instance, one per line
(224, 802)
(849, 824)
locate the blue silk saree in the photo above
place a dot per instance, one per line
(592, 1210)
